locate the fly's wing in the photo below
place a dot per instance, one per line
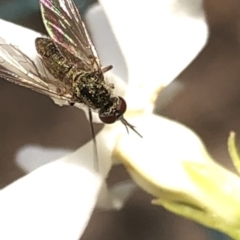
(65, 26)
(17, 68)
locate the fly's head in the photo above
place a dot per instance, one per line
(114, 111)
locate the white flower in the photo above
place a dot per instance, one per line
(158, 40)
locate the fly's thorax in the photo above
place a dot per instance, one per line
(91, 89)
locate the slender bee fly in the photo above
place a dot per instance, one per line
(70, 57)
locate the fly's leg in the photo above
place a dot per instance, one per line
(106, 69)
(71, 103)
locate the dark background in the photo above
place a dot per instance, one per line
(209, 104)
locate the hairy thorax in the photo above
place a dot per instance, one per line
(91, 89)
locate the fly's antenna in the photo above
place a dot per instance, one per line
(95, 151)
(128, 125)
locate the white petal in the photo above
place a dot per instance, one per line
(31, 157)
(157, 40)
(121, 192)
(105, 41)
(84, 156)
(115, 197)
(157, 159)
(20, 36)
(53, 202)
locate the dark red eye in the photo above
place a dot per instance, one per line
(113, 111)
(108, 119)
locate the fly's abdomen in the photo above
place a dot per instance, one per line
(53, 60)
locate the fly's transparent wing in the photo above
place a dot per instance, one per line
(17, 68)
(65, 26)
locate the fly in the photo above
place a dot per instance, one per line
(70, 57)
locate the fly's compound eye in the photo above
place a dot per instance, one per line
(113, 111)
